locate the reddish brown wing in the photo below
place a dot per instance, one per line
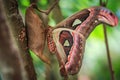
(68, 23)
(69, 49)
(69, 36)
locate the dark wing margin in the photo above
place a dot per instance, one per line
(68, 23)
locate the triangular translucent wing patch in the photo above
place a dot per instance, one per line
(76, 22)
(66, 43)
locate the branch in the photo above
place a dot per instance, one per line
(108, 53)
(50, 8)
(104, 4)
(33, 1)
(57, 14)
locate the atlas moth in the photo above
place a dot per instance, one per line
(67, 39)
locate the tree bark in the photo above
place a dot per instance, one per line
(19, 32)
(11, 65)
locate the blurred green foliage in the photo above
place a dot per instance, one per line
(39, 66)
(95, 64)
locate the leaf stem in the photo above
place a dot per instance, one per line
(108, 53)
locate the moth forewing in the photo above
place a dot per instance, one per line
(35, 33)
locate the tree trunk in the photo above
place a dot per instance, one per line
(16, 57)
